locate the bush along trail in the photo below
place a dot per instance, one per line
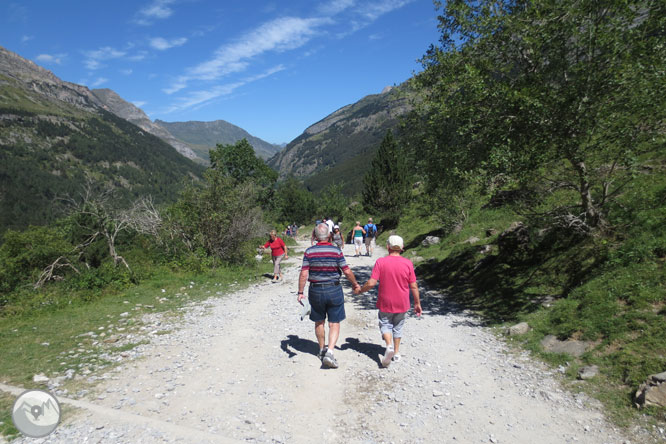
(244, 368)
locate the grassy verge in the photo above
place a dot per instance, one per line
(608, 289)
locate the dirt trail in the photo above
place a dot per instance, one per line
(243, 368)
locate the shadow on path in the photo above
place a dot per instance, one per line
(372, 351)
(299, 344)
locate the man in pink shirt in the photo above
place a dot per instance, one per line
(396, 279)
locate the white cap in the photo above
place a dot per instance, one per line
(395, 242)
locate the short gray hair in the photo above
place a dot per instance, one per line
(321, 232)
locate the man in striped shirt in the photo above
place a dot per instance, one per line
(323, 264)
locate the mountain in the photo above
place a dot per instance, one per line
(118, 106)
(55, 135)
(340, 147)
(204, 136)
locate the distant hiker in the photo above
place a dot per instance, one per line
(396, 278)
(370, 235)
(323, 264)
(330, 224)
(278, 252)
(357, 234)
(338, 239)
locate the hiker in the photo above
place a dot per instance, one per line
(323, 264)
(337, 238)
(358, 233)
(330, 224)
(396, 279)
(278, 252)
(370, 235)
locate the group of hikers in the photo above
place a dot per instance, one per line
(360, 235)
(323, 265)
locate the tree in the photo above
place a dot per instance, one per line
(386, 185)
(332, 203)
(218, 217)
(293, 202)
(239, 162)
(553, 94)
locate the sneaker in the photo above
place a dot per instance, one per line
(388, 355)
(329, 360)
(322, 353)
(396, 358)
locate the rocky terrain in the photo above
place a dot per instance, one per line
(341, 144)
(120, 107)
(243, 368)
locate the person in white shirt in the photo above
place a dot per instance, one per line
(330, 224)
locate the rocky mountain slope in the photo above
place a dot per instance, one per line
(191, 139)
(54, 135)
(338, 148)
(204, 136)
(120, 107)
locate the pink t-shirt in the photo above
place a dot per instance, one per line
(394, 274)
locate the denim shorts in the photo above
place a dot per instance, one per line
(391, 323)
(326, 301)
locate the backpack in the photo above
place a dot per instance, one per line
(370, 230)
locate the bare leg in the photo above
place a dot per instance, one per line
(388, 338)
(320, 333)
(333, 334)
(396, 345)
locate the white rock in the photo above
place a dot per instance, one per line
(40, 378)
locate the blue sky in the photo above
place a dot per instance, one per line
(271, 67)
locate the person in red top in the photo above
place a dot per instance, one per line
(278, 252)
(396, 279)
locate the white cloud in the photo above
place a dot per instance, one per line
(138, 56)
(139, 103)
(50, 58)
(198, 98)
(126, 72)
(95, 58)
(278, 35)
(334, 7)
(372, 11)
(162, 44)
(26, 38)
(99, 81)
(157, 10)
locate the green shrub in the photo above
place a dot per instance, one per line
(24, 254)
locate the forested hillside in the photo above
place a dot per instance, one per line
(55, 137)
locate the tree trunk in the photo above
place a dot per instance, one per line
(111, 241)
(592, 215)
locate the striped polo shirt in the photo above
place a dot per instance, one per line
(324, 262)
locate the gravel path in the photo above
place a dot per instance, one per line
(243, 368)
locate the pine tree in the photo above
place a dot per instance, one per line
(386, 185)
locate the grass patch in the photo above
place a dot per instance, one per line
(7, 428)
